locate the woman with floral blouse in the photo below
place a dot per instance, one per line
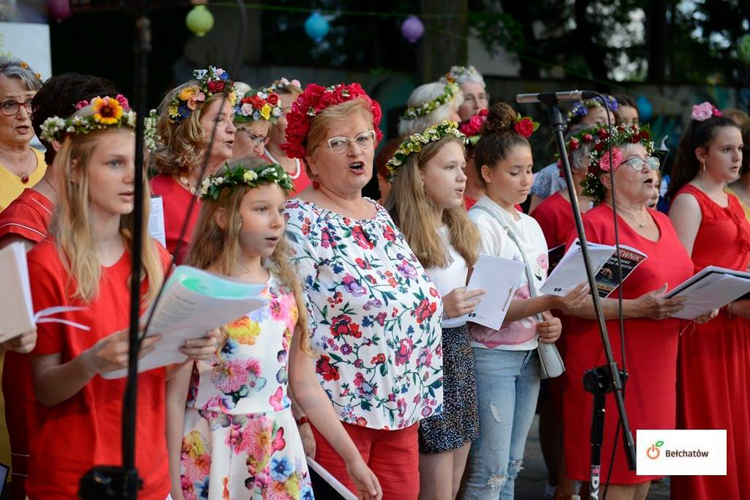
(374, 314)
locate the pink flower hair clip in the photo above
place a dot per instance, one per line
(704, 111)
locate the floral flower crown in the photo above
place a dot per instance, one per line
(451, 89)
(105, 112)
(600, 156)
(241, 175)
(315, 99)
(283, 83)
(261, 104)
(581, 108)
(704, 111)
(210, 81)
(150, 135)
(471, 127)
(457, 72)
(416, 142)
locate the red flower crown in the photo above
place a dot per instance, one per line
(315, 99)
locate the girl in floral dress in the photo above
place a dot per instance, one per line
(235, 436)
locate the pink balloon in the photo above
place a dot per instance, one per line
(412, 29)
(59, 9)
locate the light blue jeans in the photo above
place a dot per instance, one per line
(508, 387)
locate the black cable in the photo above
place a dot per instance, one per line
(235, 68)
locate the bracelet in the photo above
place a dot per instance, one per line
(303, 420)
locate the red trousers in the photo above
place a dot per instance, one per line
(392, 455)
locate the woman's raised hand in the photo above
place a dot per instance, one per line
(654, 306)
(111, 352)
(461, 301)
(573, 301)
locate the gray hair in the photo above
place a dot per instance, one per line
(421, 95)
(464, 74)
(577, 156)
(15, 68)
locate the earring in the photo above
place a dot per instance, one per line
(316, 185)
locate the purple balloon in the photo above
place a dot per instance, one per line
(412, 29)
(59, 9)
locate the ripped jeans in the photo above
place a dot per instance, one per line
(508, 387)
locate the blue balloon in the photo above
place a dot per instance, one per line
(316, 27)
(645, 108)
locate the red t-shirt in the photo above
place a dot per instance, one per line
(176, 200)
(28, 216)
(555, 217)
(85, 430)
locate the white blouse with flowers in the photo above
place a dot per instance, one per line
(374, 316)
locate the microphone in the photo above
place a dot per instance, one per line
(552, 98)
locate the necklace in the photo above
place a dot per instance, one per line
(640, 224)
(27, 170)
(297, 172)
(186, 184)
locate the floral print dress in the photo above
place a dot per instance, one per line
(374, 316)
(240, 440)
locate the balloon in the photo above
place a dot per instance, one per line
(645, 108)
(412, 29)
(59, 9)
(200, 20)
(743, 49)
(316, 27)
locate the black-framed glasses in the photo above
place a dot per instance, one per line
(639, 164)
(10, 108)
(340, 145)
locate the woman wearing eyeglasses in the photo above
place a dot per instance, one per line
(374, 313)
(295, 167)
(21, 166)
(651, 334)
(254, 114)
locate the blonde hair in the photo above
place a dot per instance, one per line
(421, 95)
(213, 246)
(71, 225)
(181, 146)
(412, 210)
(322, 122)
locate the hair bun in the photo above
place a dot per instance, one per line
(500, 119)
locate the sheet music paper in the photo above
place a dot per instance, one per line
(156, 220)
(193, 303)
(16, 308)
(500, 279)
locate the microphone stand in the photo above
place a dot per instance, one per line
(122, 482)
(606, 378)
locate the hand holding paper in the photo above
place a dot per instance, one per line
(194, 302)
(500, 278)
(461, 301)
(710, 289)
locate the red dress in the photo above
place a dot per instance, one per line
(28, 216)
(176, 200)
(650, 347)
(713, 387)
(85, 429)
